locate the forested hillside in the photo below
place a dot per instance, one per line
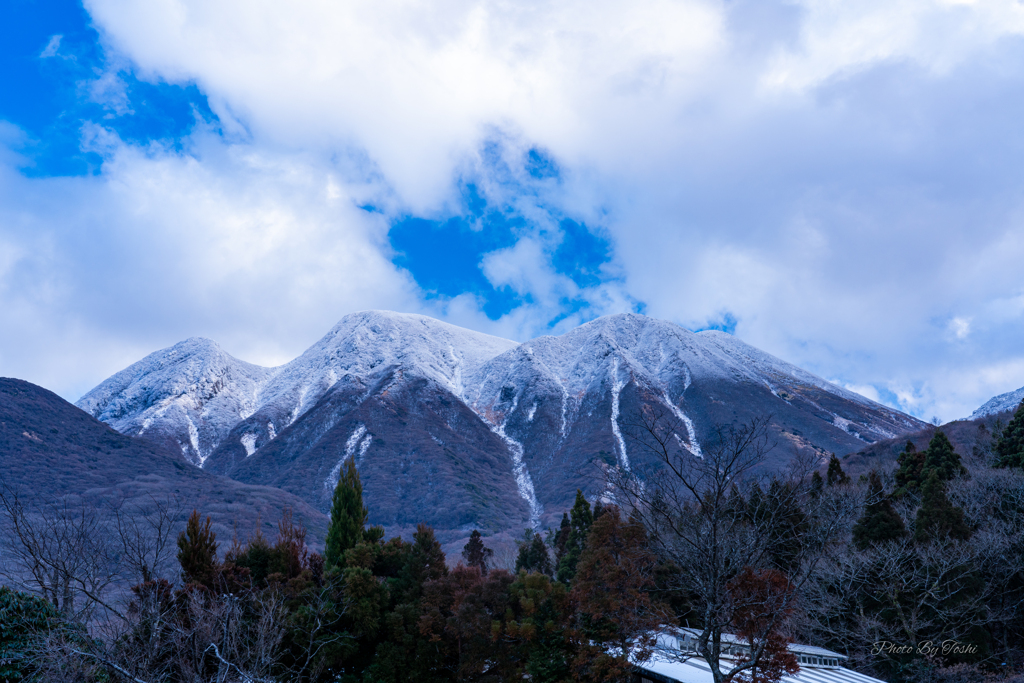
(927, 549)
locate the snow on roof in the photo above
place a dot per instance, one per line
(817, 664)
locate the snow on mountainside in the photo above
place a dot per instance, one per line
(559, 402)
(193, 394)
(1001, 403)
(364, 343)
(458, 428)
(188, 396)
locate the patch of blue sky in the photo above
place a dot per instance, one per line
(56, 78)
(445, 255)
(540, 165)
(581, 254)
(725, 322)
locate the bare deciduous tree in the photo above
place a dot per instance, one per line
(695, 507)
(61, 552)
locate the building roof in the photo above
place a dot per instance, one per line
(817, 664)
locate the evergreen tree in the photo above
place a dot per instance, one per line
(938, 517)
(348, 517)
(24, 621)
(836, 476)
(533, 554)
(425, 561)
(781, 521)
(611, 593)
(880, 522)
(942, 459)
(197, 551)
(910, 474)
(475, 553)
(1010, 445)
(581, 520)
(817, 484)
(561, 538)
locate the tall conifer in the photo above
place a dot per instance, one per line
(910, 474)
(197, 551)
(836, 476)
(938, 517)
(1010, 445)
(475, 553)
(941, 458)
(580, 522)
(348, 517)
(880, 522)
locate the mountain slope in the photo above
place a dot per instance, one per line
(193, 394)
(460, 429)
(188, 396)
(564, 402)
(51, 449)
(999, 404)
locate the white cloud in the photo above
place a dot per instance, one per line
(416, 85)
(960, 327)
(252, 249)
(843, 178)
(51, 47)
(838, 38)
(865, 390)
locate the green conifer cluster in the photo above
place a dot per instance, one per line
(1010, 445)
(880, 522)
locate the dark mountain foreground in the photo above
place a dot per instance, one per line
(51, 450)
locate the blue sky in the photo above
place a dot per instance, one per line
(839, 184)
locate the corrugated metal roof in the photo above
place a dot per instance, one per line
(664, 663)
(696, 670)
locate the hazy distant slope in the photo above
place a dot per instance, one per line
(49, 448)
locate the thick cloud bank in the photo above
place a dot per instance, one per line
(837, 183)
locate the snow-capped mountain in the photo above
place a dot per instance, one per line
(461, 429)
(194, 394)
(188, 396)
(999, 404)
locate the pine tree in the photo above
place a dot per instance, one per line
(817, 484)
(560, 539)
(1010, 445)
(425, 561)
(880, 522)
(533, 554)
(197, 551)
(910, 474)
(581, 520)
(938, 517)
(348, 517)
(836, 476)
(941, 458)
(611, 594)
(475, 553)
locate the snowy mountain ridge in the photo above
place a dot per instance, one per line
(998, 404)
(197, 390)
(458, 428)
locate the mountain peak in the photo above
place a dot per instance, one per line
(444, 421)
(1000, 404)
